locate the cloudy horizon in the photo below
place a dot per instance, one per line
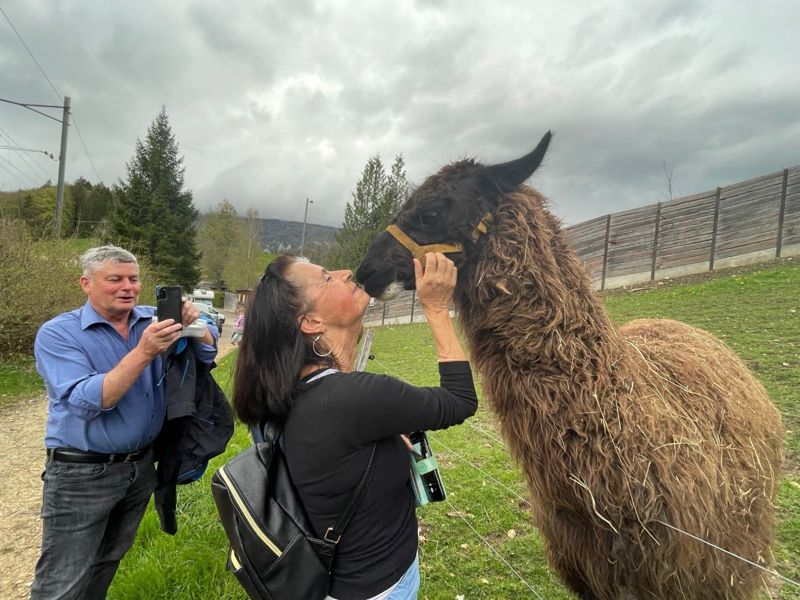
(273, 103)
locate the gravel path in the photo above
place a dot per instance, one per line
(21, 465)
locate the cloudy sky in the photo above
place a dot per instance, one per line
(273, 102)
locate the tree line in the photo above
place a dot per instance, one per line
(150, 212)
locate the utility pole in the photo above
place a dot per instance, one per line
(62, 158)
(303, 238)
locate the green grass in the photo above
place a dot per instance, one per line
(18, 379)
(752, 312)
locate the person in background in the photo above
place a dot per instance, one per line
(102, 367)
(295, 366)
(238, 326)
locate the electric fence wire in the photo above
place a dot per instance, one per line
(766, 570)
(58, 95)
(477, 468)
(749, 562)
(485, 433)
(493, 549)
(457, 512)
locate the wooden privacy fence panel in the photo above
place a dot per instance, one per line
(630, 242)
(749, 221)
(748, 216)
(791, 218)
(589, 241)
(685, 231)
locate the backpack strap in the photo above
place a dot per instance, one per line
(272, 432)
(334, 534)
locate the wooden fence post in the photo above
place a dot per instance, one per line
(714, 231)
(383, 314)
(605, 253)
(655, 242)
(781, 215)
(413, 297)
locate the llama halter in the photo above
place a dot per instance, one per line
(418, 251)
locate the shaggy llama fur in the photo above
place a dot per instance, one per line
(620, 433)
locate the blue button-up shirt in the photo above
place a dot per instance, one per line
(74, 351)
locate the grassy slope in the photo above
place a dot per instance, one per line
(752, 312)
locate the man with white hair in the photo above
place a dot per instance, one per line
(102, 368)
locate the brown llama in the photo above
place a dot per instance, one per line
(622, 434)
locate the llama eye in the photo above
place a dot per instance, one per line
(430, 217)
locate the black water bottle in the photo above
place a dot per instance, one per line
(427, 469)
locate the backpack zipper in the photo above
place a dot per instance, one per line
(234, 561)
(237, 500)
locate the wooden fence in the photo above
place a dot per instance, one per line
(747, 222)
(750, 221)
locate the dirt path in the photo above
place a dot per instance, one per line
(21, 465)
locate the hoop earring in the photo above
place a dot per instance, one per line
(314, 348)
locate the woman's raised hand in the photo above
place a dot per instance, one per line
(436, 282)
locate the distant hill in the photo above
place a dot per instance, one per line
(280, 236)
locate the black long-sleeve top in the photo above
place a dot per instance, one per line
(329, 436)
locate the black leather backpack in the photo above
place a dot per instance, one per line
(274, 552)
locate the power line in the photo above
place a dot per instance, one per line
(18, 149)
(58, 95)
(20, 170)
(31, 54)
(28, 106)
(27, 166)
(14, 175)
(85, 149)
(25, 156)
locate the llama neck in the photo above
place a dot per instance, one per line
(527, 297)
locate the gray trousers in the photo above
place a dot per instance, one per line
(90, 514)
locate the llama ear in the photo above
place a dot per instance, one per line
(509, 175)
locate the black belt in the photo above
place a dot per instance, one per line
(71, 455)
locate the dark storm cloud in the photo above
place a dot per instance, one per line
(275, 102)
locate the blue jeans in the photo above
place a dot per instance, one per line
(405, 589)
(90, 514)
(408, 586)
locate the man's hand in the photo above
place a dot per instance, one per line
(189, 314)
(158, 337)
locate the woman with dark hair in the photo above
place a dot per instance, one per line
(295, 366)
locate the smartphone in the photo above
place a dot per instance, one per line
(169, 302)
(425, 470)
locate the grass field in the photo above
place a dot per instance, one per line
(757, 313)
(18, 377)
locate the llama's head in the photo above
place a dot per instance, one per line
(447, 213)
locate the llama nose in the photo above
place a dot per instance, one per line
(363, 273)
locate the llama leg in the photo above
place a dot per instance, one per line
(574, 581)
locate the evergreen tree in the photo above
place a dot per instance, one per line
(376, 200)
(97, 210)
(153, 214)
(81, 189)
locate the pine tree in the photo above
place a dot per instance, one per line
(376, 200)
(153, 214)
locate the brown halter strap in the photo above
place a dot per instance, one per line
(418, 251)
